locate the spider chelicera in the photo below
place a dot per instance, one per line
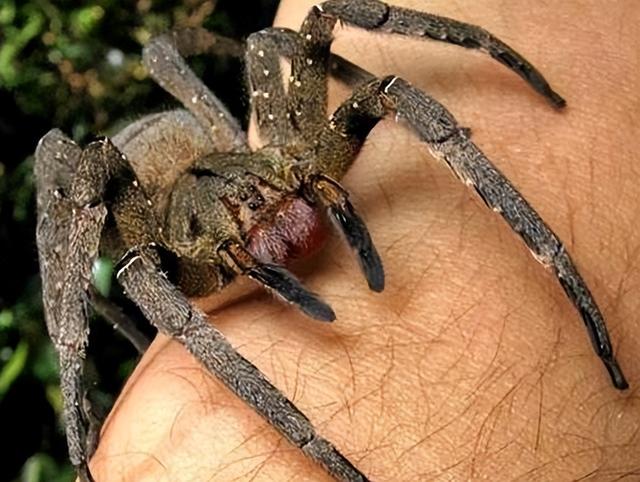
(186, 206)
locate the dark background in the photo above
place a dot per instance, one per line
(76, 66)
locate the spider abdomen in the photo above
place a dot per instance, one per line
(294, 229)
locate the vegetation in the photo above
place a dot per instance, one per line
(77, 68)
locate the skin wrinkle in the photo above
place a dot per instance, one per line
(460, 235)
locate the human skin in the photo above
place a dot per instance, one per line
(472, 363)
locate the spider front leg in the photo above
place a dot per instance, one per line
(163, 57)
(67, 247)
(172, 313)
(68, 235)
(377, 16)
(350, 125)
(69, 230)
(267, 92)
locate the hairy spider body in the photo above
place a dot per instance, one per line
(255, 197)
(181, 192)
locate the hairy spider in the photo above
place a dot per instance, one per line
(186, 206)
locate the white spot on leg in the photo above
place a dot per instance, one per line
(355, 105)
(386, 89)
(309, 61)
(194, 99)
(265, 72)
(126, 266)
(308, 36)
(265, 95)
(260, 53)
(270, 117)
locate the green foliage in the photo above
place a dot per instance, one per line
(43, 468)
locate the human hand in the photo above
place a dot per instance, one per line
(472, 363)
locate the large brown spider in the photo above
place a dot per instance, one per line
(181, 192)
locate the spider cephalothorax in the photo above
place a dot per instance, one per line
(184, 185)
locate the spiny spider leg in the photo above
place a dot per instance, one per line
(290, 44)
(449, 141)
(277, 280)
(267, 91)
(66, 253)
(173, 315)
(56, 159)
(307, 96)
(305, 109)
(163, 57)
(68, 237)
(377, 16)
(335, 199)
(275, 118)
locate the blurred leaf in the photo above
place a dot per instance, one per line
(6, 319)
(7, 12)
(54, 397)
(42, 468)
(14, 367)
(45, 363)
(16, 40)
(85, 20)
(102, 274)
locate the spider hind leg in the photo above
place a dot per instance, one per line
(449, 142)
(176, 317)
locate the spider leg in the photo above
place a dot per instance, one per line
(67, 246)
(172, 313)
(449, 142)
(336, 200)
(163, 57)
(56, 159)
(378, 16)
(437, 127)
(68, 237)
(67, 240)
(307, 99)
(267, 91)
(277, 280)
(290, 43)
(111, 312)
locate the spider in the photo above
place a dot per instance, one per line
(184, 204)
